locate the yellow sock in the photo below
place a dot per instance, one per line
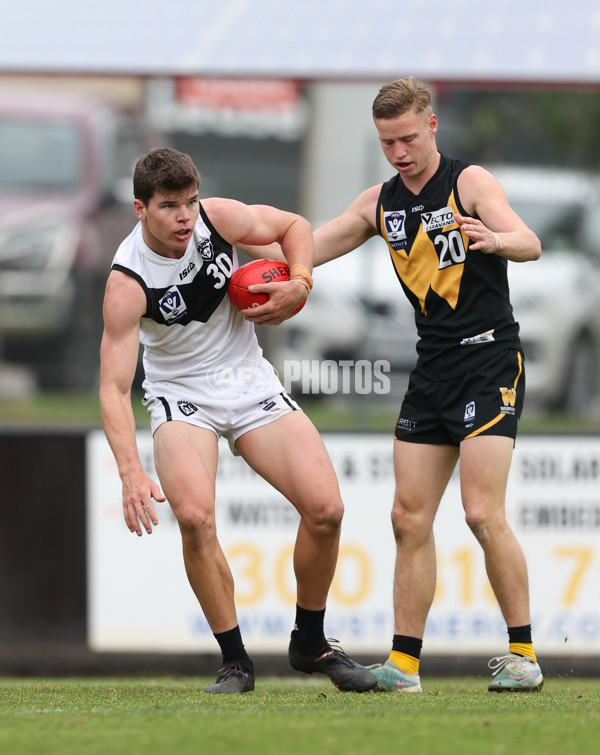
(522, 648)
(406, 663)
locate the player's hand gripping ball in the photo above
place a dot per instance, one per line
(257, 271)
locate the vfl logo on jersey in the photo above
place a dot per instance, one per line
(205, 248)
(433, 221)
(186, 407)
(172, 305)
(469, 412)
(509, 397)
(395, 230)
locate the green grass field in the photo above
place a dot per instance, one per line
(293, 715)
(73, 410)
(167, 716)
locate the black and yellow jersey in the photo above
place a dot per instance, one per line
(460, 296)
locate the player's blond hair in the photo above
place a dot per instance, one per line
(400, 96)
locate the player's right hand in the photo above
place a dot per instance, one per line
(139, 495)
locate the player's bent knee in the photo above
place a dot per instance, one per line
(325, 518)
(197, 527)
(482, 523)
(409, 525)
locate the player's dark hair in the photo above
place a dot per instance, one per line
(400, 96)
(163, 171)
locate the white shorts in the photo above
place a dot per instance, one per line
(241, 414)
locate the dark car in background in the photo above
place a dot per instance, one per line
(66, 163)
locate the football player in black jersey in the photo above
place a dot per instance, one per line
(450, 231)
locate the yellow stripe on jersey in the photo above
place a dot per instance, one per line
(500, 416)
(420, 269)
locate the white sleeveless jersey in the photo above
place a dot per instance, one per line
(193, 337)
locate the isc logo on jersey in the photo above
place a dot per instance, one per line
(395, 230)
(172, 305)
(433, 221)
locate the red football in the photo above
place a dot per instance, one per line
(257, 271)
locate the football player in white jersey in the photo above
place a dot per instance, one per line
(167, 289)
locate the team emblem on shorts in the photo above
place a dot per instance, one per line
(395, 229)
(205, 248)
(470, 411)
(186, 407)
(509, 397)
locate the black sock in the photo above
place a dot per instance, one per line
(308, 630)
(407, 645)
(233, 650)
(520, 634)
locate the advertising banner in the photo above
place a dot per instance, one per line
(140, 600)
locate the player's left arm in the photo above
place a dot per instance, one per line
(261, 226)
(495, 227)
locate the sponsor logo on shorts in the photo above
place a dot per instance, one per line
(433, 221)
(205, 248)
(395, 230)
(469, 411)
(186, 407)
(509, 397)
(172, 306)
(406, 424)
(267, 405)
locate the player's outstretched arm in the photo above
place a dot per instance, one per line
(349, 230)
(124, 304)
(335, 237)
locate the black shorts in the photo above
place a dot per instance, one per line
(485, 401)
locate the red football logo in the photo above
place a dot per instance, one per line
(257, 271)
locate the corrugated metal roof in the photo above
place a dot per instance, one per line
(509, 40)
